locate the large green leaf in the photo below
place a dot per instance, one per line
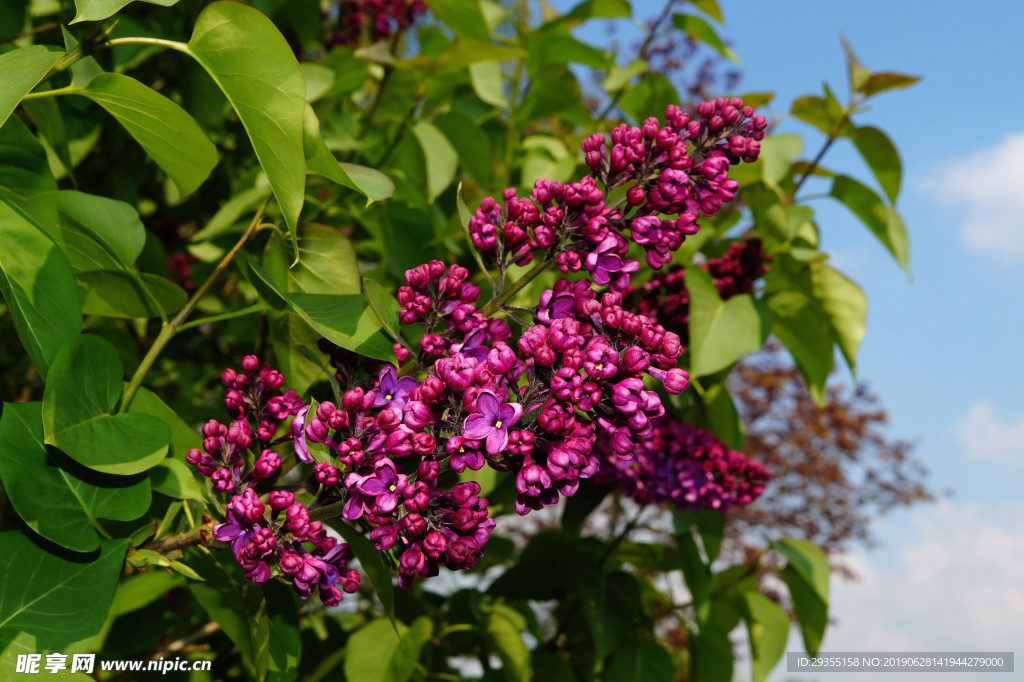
(799, 326)
(503, 627)
(183, 437)
(439, 155)
(176, 479)
(94, 10)
(810, 609)
(881, 156)
(169, 135)
(20, 71)
(721, 332)
(94, 232)
(880, 82)
(344, 319)
(24, 170)
(385, 307)
(698, 29)
(120, 293)
(284, 636)
(378, 652)
(640, 660)
(599, 9)
(845, 306)
(611, 604)
(236, 605)
(59, 501)
(369, 182)
(711, 657)
(78, 403)
(39, 287)
(883, 221)
(372, 563)
(463, 17)
(50, 604)
(327, 262)
(810, 562)
(253, 65)
(768, 629)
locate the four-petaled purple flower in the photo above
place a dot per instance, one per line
(492, 422)
(391, 390)
(376, 493)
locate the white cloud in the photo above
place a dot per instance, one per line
(984, 435)
(951, 580)
(989, 183)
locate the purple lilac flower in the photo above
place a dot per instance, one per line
(492, 422)
(392, 391)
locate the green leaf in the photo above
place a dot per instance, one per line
(169, 135)
(319, 80)
(463, 17)
(441, 158)
(471, 143)
(845, 306)
(487, 83)
(285, 638)
(183, 437)
(379, 653)
(20, 71)
(697, 28)
(175, 479)
(810, 563)
(611, 604)
(881, 156)
(721, 332)
(709, 7)
(141, 590)
(78, 403)
(502, 629)
(555, 44)
(39, 287)
(371, 183)
(650, 95)
(696, 573)
(722, 418)
(641, 660)
(346, 319)
(801, 329)
(599, 9)
(229, 214)
(858, 73)
(24, 170)
(50, 604)
(385, 307)
(372, 563)
(883, 221)
(256, 70)
(711, 657)
(60, 502)
(45, 114)
(95, 10)
(880, 82)
(94, 232)
(236, 605)
(619, 77)
(777, 153)
(117, 293)
(327, 263)
(811, 611)
(824, 114)
(768, 629)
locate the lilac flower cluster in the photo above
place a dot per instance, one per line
(686, 467)
(582, 382)
(280, 540)
(378, 19)
(675, 174)
(664, 298)
(253, 397)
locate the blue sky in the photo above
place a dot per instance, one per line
(943, 349)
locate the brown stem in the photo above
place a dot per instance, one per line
(33, 31)
(197, 536)
(169, 329)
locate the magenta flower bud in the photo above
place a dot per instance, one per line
(291, 563)
(388, 419)
(297, 520)
(416, 414)
(326, 474)
(281, 499)
(414, 524)
(501, 359)
(635, 359)
(316, 431)
(227, 377)
(267, 464)
(384, 537)
(435, 544)
(423, 443)
(194, 456)
(352, 400)
(412, 561)
(223, 481)
(464, 492)
(635, 196)
(428, 469)
(214, 428)
(250, 364)
(212, 445)
(349, 581)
